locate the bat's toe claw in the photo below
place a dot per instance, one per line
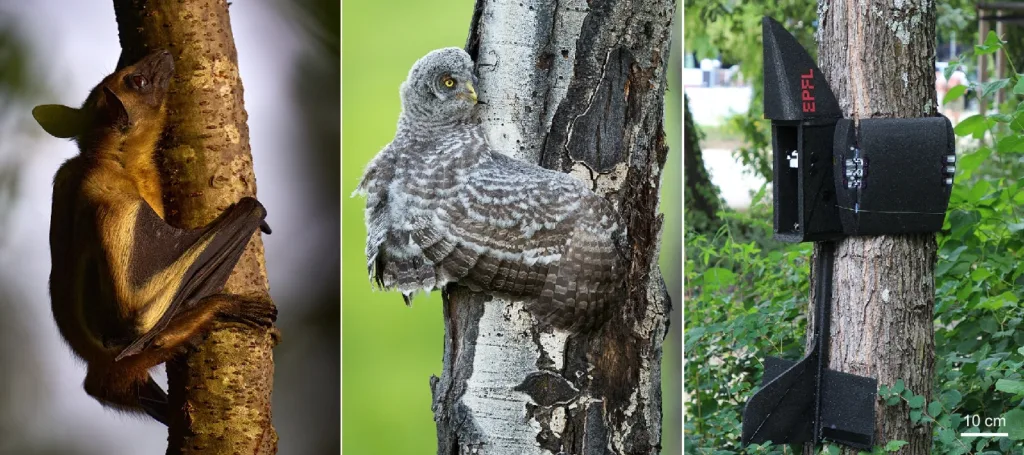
(256, 313)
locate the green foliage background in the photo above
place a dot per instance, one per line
(389, 351)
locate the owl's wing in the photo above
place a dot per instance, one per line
(378, 173)
(524, 231)
(373, 185)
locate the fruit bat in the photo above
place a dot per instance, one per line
(128, 290)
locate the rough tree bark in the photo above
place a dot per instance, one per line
(879, 61)
(577, 86)
(220, 391)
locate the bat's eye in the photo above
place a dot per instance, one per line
(138, 81)
(447, 81)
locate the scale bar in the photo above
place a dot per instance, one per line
(985, 435)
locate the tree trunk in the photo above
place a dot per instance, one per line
(701, 202)
(220, 391)
(880, 62)
(579, 87)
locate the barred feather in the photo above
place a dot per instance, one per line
(443, 208)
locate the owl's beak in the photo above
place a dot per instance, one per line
(472, 91)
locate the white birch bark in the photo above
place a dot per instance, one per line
(576, 87)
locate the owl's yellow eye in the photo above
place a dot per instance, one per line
(448, 82)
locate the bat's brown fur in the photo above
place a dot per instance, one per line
(119, 313)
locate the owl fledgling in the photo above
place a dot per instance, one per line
(442, 207)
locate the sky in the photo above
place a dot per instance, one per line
(79, 38)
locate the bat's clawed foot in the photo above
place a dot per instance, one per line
(254, 312)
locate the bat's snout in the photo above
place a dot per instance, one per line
(158, 66)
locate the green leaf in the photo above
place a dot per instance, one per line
(894, 445)
(1018, 121)
(717, 278)
(934, 408)
(957, 92)
(915, 415)
(1018, 89)
(1001, 118)
(951, 398)
(975, 125)
(899, 386)
(981, 49)
(992, 39)
(1010, 144)
(946, 435)
(1007, 299)
(978, 191)
(833, 450)
(916, 402)
(971, 161)
(950, 68)
(992, 44)
(980, 274)
(1015, 424)
(990, 88)
(1010, 386)
(694, 334)
(759, 195)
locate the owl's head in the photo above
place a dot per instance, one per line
(440, 86)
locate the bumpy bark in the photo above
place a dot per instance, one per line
(879, 61)
(576, 86)
(219, 392)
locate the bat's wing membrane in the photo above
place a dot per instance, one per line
(204, 258)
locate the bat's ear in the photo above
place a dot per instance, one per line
(116, 112)
(59, 120)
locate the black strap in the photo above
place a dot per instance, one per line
(824, 263)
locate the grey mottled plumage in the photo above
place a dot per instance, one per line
(442, 207)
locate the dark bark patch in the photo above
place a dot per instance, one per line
(598, 133)
(455, 424)
(595, 434)
(547, 389)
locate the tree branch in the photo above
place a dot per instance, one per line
(219, 392)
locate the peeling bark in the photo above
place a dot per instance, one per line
(880, 62)
(579, 87)
(220, 391)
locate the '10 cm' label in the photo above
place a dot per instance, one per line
(807, 90)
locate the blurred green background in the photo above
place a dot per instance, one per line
(389, 350)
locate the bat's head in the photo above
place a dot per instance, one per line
(128, 102)
(440, 87)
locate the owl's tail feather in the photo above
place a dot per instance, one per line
(459, 263)
(408, 275)
(479, 277)
(580, 288)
